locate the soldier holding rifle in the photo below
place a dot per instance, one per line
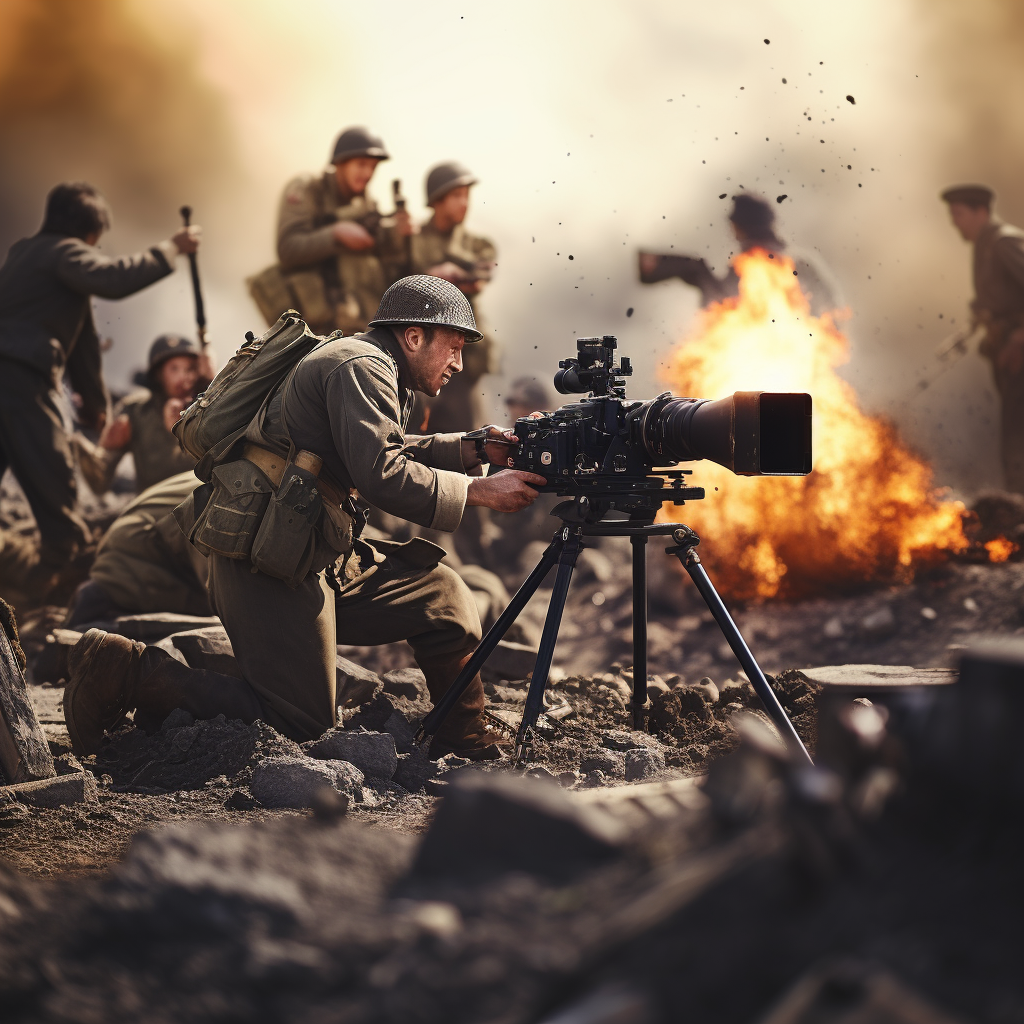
(46, 332)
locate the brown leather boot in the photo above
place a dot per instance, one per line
(465, 731)
(104, 671)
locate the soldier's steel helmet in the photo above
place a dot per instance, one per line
(969, 195)
(528, 391)
(353, 142)
(167, 346)
(421, 299)
(444, 177)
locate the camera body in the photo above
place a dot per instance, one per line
(620, 450)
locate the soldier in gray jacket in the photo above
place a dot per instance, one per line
(47, 332)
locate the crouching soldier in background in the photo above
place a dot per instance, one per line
(337, 423)
(142, 423)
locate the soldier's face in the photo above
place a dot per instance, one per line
(451, 208)
(432, 363)
(178, 376)
(969, 220)
(354, 175)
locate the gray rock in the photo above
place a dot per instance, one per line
(356, 685)
(383, 714)
(493, 822)
(621, 739)
(879, 624)
(876, 677)
(414, 770)
(373, 753)
(405, 682)
(510, 661)
(611, 762)
(642, 763)
(73, 788)
(294, 781)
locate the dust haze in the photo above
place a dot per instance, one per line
(594, 128)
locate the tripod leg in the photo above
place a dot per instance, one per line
(437, 715)
(639, 702)
(692, 564)
(572, 545)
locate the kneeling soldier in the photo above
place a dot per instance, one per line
(346, 404)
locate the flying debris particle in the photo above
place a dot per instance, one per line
(570, 257)
(850, 99)
(779, 199)
(629, 312)
(783, 81)
(723, 195)
(766, 42)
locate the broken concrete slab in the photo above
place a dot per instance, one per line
(373, 753)
(295, 781)
(75, 788)
(493, 822)
(24, 754)
(875, 677)
(356, 685)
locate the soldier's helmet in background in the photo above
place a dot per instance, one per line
(421, 299)
(444, 177)
(528, 391)
(969, 195)
(353, 142)
(167, 346)
(752, 215)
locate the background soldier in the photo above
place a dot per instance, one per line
(47, 331)
(337, 253)
(178, 370)
(753, 225)
(284, 595)
(998, 306)
(444, 248)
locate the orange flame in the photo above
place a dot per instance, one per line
(868, 512)
(1000, 549)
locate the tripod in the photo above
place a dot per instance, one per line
(579, 521)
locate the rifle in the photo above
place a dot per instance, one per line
(197, 291)
(950, 351)
(406, 266)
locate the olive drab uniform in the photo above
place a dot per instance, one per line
(458, 407)
(154, 449)
(999, 306)
(332, 287)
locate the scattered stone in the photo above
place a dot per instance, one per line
(293, 781)
(373, 753)
(879, 624)
(971, 605)
(510, 661)
(593, 779)
(386, 714)
(59, 791)
(12, 814)
(240, 801)
(609, 762)
(642, 763)
(833, 629)
(356, 685)
(405, 682)
(329, 805)
(930, 614)
(496, 822)
(414, 770)
(710, 690)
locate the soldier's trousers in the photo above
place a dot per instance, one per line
(34, 445)
(1011, 428)
(285, 641)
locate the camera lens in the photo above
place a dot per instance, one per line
(753, 433)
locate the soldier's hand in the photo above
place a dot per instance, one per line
(507, 491)
(117, 434)
(404, 224)
(449, 271)
(352, 236)
(187, 239)
(496, 447)
(172, 410)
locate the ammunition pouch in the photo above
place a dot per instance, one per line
(231, 518)
(286, 544)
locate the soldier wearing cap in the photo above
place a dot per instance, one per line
(346, 406)
(178, 370)
(753, 226)
(998, 306)
(334, 248)
(47, 334)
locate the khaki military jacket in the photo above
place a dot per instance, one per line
(999, 276)
(349, 402)
(46, 318)
(431, 247)
(335, 288)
